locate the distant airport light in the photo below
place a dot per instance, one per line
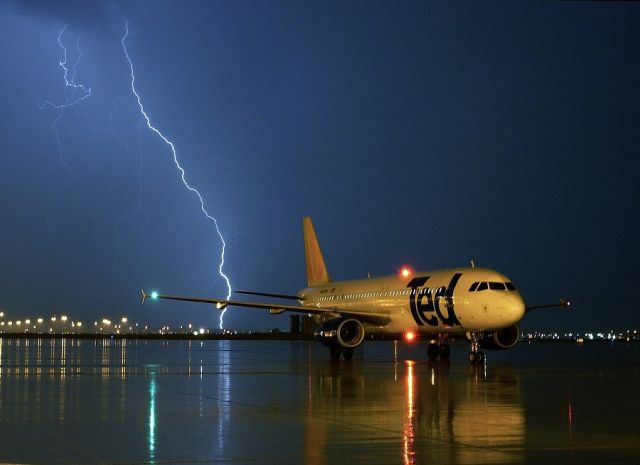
(1, 314)
(28, 322)
(40, 321)
(124, 319)
(410, 336)
(201, 330)
(18, 322)
(53, 318)
(10, 323)
(63, 318)
(79, 323)
(405, 272)
(154, 295)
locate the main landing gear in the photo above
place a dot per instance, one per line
(475, 356)
(437, 349)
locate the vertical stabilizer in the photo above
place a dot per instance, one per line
(316, 269)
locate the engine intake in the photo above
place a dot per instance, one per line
(345, 333)
(500, 339)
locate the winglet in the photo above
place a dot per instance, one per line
(316, 269)
(144, 296)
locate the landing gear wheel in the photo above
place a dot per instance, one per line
(475, 356)
(432, 351)
(444, 351)
(335, 353)
(348, 354)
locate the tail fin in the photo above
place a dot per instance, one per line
(316, 269)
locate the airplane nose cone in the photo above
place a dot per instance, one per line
(516, 307)
(510, 308)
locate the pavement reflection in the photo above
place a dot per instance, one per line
(432, 415)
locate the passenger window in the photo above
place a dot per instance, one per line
(482, 287)
(497, 286)
(473, 287)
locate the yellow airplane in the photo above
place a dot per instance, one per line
(480, 303)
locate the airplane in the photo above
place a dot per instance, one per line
(479, 303)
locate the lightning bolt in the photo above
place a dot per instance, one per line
(74, 94)
(178, 166)
(138, 209)
(69, 82)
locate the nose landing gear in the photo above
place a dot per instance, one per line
(475, 356)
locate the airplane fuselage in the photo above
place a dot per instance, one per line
(456, 300)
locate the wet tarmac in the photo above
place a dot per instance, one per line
(284, 402)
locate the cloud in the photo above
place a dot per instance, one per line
(80, 13)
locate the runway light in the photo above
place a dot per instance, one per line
(410, 336)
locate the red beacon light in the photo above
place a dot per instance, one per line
(410, 336)
(405, 271)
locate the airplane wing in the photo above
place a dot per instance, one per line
(562, 304)
(378, 319)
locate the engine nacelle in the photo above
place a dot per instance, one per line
(504, 338)
(347, 333)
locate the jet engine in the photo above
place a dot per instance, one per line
(504, 338)
(340, 333)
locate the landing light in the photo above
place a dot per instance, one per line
(154, 295)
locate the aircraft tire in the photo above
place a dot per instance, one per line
(432, 351)
(444, 351)
(476, 357)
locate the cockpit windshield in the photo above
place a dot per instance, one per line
(493, 285)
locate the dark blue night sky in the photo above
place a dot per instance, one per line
(411, 132)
